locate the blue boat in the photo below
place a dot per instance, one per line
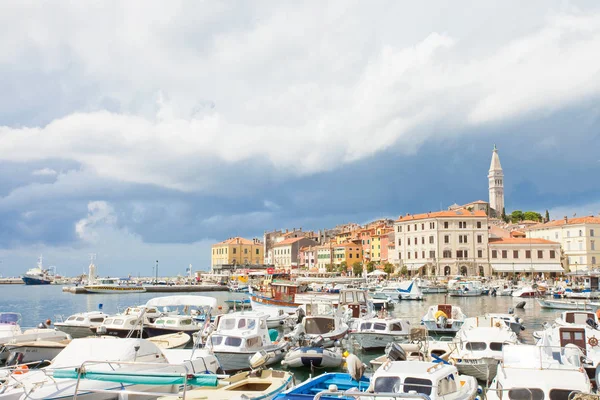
(318, 384)
(38, 275)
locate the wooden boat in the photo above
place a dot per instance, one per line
(309, 388)
(171, 340)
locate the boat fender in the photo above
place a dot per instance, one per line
(21, 369)
(440, 313)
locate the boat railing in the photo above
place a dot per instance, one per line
(184, 379)
(361, 395)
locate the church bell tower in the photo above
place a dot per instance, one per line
(496, 184)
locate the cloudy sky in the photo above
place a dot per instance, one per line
(145, 131)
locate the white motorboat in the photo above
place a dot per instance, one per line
(171, 340)
(239, 336)
(466, 289)
(443, 319)
(407, 290)
(567, 304)
(373, 333)
(533, 372)
(113, 285)
(279, 318)
(81, 324)
(525, 291)
(321, 324)
(570, 318)
(425, 349)
(35, 334)
(9, 326)
(125, 364)
(437, 381)
(34, 351)
(130, 322)
(479, 346)
(263, 384)
(313, 357)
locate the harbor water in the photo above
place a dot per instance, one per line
(39, 303)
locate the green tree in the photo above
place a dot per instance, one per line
(370, 266)
(357, 268)
(388, 268)
(516, 216)
(547, 216)
(329, 268)
(503, 216)
(343, 267)
(404, 270)
(532, 216)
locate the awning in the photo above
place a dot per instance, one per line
(528, 267)
(413, 266)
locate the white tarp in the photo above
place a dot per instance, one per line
(101, 349)
(377, 273)
(189, 300)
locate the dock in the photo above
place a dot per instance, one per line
(11, 281)
(160, 289)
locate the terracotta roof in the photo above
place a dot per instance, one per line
(237, 240)
(460, 213)
(570, 221)
(477, 202)
(513, 240)
(288, 241)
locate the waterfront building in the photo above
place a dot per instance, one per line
(496, 184)
(365, 236)
(277, 236)
(514, 255)
(443, 242)
(324, 256)
(285, 253)
(307, 257)
(379, 244)
(578, 237)
(350, 253)
(237, 251)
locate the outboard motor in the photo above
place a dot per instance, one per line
(442, 321)
(395, 352)
(317, 342)
(511, 310)
(15, 358)
(301, 314)
(42, 325)
(521, 305)
(591, 323)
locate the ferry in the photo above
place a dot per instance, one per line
(38, 275)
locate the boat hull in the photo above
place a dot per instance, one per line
(114, 289)
(76, 332)
(232, 361)
(312, 357)
(35, 352)
(465, 293)
(35, 281)
(375, 340)
(483, 369)
(452, 328)
(261, 302)
(566, 305)
(153, 331)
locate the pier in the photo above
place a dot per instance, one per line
(160, 289)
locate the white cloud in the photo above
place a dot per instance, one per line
(304, 88)
(44, 172)
(100, 215)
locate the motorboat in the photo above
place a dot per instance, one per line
(428, 287)
(279, 318)
(373, 333)
(514, 322)
(122, 326)
(322, 383)
(172, 324)
(534, 372)
(135, 365)
(567, 304)
(437, 381)
(238, 336)
(30, 335)
(466, 289)
(525, 291)
(80, 325)
(479, 346)
(263, 384)
(443, 319)
(570, 318)
(321, 323)
(10, 326)
(113, 285)
(34, 351)
(309, 357)
(423, 349)
(283, 296)
(171, 340)
(38, 275)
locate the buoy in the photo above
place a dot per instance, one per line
(440, 313)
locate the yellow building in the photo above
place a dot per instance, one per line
(238, 251)
(348, 252)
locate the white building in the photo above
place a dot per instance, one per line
(496, 184)
(511, 255)
(286, 252)
(444, 243)
(578, 238)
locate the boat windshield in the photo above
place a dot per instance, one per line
(526, 394)
(318, 325)
(419, 385)
(475, 346)
(387, 384)
(9, 318)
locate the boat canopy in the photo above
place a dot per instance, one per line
(196, 301)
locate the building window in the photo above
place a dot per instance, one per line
(494, 253)
(245, 251)
(357, 255)
(591, 232)
(408, 254)
(580, 245)
(257, 250)
(432, 225)
(540, 253)
(422, 239)
(399, 242)
(446, 225)
(515, 253)
(408, 241)
(399, 228)
(415, 227)
(363, 241)
(479, 239)
(416, 255)
(462, 238)
(478, 224)
(504, 254)
(423, 253)
(527, 253)
(350, 255)
(459, 253)
(431, 253)
(447, 254)
(479, 253)
(447, 239)
(568, 233)
(593, 260)
(407, 228)
(580, 232)
(552, 254)
(422, 227)
(592, 245)
(234, 250)
(430, 239)
(555, 235)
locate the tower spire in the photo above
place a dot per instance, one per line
(496, 183)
